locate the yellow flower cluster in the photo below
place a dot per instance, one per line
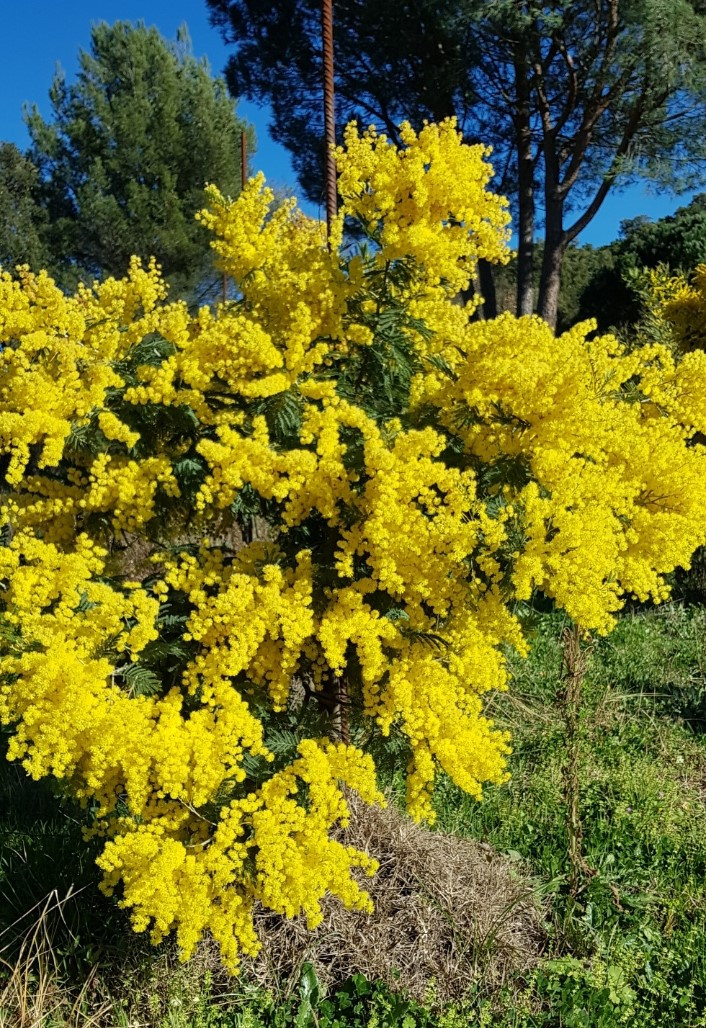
(165, 763)
(427, 201)
(411, 472)
(247, 615)
(676, 306)
(73, 718)
(123, 490)
(613, 496)
(194, 878)
(56, 355)
(416, 524)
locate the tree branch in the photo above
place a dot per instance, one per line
(570, 105)
(628, 134)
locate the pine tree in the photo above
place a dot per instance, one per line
(21, 217)
(127, 152)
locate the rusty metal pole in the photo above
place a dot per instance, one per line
(329, 110)
(243, 180)
(338, 683)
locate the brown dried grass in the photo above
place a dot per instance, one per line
(450, 915)
(33, 991)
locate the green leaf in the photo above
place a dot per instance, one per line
(140, 680)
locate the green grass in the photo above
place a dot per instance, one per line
(628, 949)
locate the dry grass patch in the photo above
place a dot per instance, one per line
(450, 914)
(33, 992)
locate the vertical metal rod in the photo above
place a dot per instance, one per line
(340, 711)
(329, 110)
(243, 180)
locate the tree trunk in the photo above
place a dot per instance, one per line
(525, 252)
(550, 283)
(555, 245)
(487, 289)
(525, 178)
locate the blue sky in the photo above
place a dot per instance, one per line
(39, 34)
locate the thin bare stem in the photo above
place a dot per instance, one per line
(573, 674)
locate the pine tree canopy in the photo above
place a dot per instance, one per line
(126, 153)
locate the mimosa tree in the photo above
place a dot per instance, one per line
(411, 474)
